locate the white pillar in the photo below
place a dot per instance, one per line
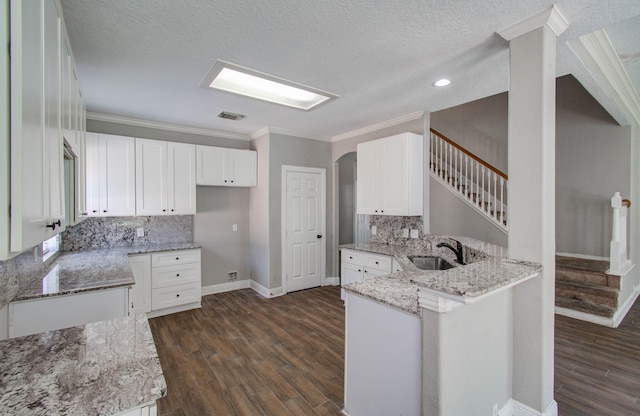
(532, 46)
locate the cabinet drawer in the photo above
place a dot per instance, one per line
(175, 275)
(170, 258)
(167, 297)
(354, 257)
(382, 263)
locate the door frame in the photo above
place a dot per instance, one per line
(286, 169)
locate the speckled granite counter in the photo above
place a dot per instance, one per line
(102, 368)
(489, 269)
(81, 271)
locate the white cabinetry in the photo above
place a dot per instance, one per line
(166, 282)
(390, 175)
(37, 188)
(359, 265)
(57, 312)
(165, 178)
(219, 166)
(374, 383)
(110, 175)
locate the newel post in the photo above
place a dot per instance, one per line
(619, 262)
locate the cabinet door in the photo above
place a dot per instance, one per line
(151, 177)
(140, 292)
(393, 175)
(244, 166)
(181, 192)
(350, 273)
(92, 174)
(117, 169)
(367, 178)
(210, 164)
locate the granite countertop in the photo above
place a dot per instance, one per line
(101, 368)
(488, 269)
(81, 271)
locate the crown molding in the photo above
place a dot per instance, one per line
(550, 17)
(598, 55)
(129, 121)
(274, 130)
(379, 126)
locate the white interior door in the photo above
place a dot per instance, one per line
(304, 242)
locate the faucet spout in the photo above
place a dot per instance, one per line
(456, 250)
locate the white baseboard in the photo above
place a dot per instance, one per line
(626, 306)
(582, 256)
(225, 287)
(521, 409)
(267, 293)
(331, 281)
(587, 317)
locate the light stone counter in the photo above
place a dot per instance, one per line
(81, 271)
(102, 368)
(488, 270)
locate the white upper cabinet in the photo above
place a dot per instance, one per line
(390, 176)
(110, 175)
(219, 166)
(165, 178)
(37, 186)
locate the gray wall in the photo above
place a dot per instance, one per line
(592, 161)
(274, 151)
(217, 208)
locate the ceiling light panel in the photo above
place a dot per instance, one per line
(236, 79)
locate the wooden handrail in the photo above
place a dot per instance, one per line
(626, 203)
(468, 153)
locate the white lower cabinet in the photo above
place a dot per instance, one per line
(147, 410)
(383, 360)
(58, 312)
(359, 265)
(169, 282)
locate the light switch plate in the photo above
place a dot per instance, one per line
(414, 233)
(140, 232)
(405, 232)
(235, 227)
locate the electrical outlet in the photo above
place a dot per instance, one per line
(233, 276)
(374, 230)
(405, 232)
(140, 232)
(414, 233)
(235, 227)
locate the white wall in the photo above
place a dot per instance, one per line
(217, 209)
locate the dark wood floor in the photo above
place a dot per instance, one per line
(597, 369)
(242, 354)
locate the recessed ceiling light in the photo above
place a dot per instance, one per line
(236, 79)
(442, 82)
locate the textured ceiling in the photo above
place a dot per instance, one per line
(144, 59)
(625, 37)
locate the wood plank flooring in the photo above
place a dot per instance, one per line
(242, 354)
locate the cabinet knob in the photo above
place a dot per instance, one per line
(376, 210)
(172, 209)
(177, 274)
(177, 258)
(178, 295)
(225, 181)
(164, 210)
(377, 263)
(351, 257)
(231, 181)
(359, 270)
(366, 271)
(104, 210)
(94, 210)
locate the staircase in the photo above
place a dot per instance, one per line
(585, 289)
(470, 178)
(583, 285)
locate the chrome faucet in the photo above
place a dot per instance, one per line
(457, 251)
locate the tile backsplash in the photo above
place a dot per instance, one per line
(98, 232)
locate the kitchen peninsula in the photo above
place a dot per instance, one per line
(434, 342)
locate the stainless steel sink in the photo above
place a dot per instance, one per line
(430, 263)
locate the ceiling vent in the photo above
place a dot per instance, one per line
(231, 116)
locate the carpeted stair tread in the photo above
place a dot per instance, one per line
(586, 307)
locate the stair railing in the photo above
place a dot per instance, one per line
(473, 180)
(619, 263)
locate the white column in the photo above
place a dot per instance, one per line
(532, 46)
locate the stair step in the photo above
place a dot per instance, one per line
(599, 295)
(585, 271)
(587, 307)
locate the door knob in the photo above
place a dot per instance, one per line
(319, 236)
